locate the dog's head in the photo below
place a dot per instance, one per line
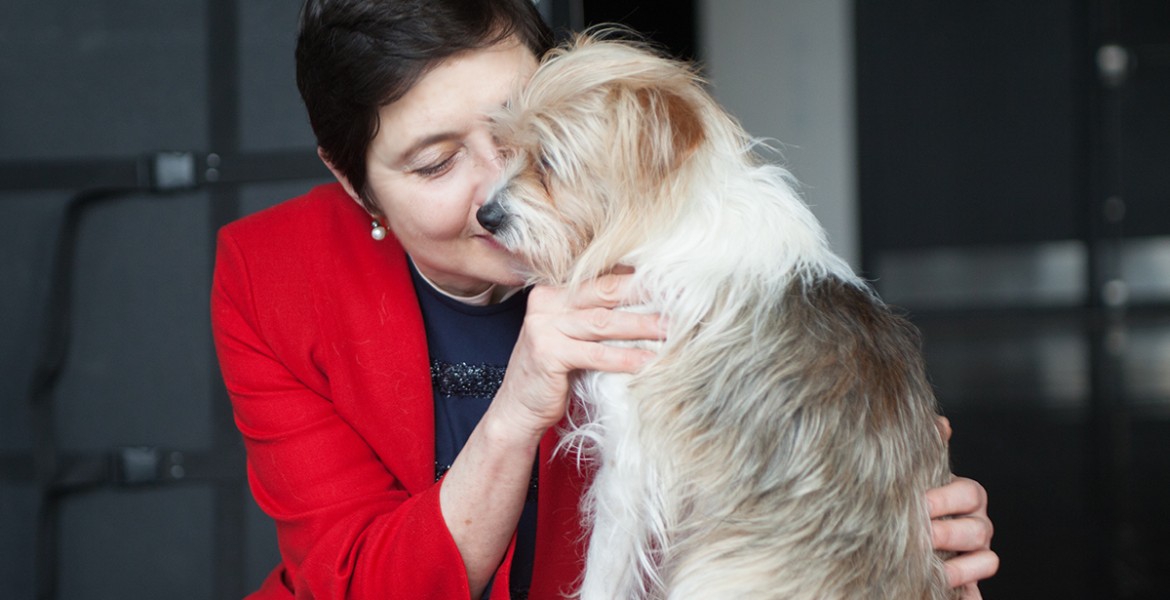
(598, 141)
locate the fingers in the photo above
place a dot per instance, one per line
(958, 513)
(576, 339)
(607, 291)
(597, 324)
(962, 496)
(965, 570)
(959, 523)
(962, 534)
(591, 312)
(595, 356)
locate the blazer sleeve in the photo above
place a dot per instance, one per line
(347, 526)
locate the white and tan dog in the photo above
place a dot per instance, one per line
(781, 444)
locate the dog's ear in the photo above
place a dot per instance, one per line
(671, 129)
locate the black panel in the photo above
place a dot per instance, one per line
(142, 319)
(18, 502)
(271, 113)
(1144, 105)
(670, 23)
(88, 89)
(101, 78)
(990, 135)
(1032, 464)
(1141, 22)
(969, 122)
(138, 544)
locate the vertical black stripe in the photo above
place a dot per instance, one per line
(1109, 427)
(223, 47)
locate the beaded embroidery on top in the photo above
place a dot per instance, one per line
(455, 380)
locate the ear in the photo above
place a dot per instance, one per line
(671, 129)
(341, 178)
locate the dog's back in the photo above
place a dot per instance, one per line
(789, 461)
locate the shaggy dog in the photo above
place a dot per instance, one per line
(781, 444)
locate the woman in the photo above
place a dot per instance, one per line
(363, 330)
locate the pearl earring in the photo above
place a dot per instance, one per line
(377, 231)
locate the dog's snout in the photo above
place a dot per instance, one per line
(491, 216)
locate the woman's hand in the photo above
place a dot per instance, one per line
(562, 333)
(959, 523)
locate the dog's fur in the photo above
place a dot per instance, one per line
(781, 444)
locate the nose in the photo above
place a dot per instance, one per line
(491, 216)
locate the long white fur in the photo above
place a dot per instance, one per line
(715, 236)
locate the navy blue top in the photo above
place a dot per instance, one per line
(469, 349)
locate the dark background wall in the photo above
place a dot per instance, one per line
(1014, 196)
(89, 88)
(1010, 197)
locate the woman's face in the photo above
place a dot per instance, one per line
(434, 161)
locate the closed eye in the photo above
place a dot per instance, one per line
(438, 168)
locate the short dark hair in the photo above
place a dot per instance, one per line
(355, 56)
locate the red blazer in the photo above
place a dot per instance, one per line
(322, 349)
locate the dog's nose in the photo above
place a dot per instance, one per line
(491, 216)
